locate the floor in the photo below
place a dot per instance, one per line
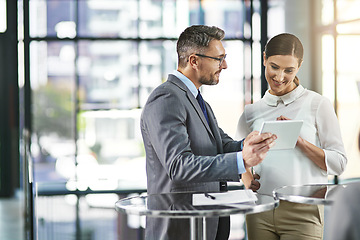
(11, 219)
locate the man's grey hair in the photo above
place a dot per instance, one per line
(196, 39)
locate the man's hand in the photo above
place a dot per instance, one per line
(256, 146)
(255, 185)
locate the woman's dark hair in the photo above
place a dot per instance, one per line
(196, 39)
(285, 44)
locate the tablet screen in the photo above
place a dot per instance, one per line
(287, 132)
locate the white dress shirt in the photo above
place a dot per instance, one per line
(320, 127)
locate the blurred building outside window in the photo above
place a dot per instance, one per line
(93, 64)
(340, 23)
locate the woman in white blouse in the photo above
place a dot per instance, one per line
(319, 151)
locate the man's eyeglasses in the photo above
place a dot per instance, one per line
(221, 60)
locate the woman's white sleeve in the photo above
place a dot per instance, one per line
(242, 128)
(330, 138)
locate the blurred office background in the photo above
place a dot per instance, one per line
(74, 75)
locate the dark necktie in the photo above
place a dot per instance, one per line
(202, 105)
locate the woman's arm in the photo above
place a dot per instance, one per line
(313, 152)
(246, 178)
(251, 181)
(329, 133)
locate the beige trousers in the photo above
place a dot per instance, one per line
(290, 221)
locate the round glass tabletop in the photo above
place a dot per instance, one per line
(180, 205)
(309, 194)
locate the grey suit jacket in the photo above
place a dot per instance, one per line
(184, 153)
(344, 218)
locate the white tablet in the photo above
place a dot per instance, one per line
(287, 132)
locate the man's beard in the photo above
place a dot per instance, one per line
(209, 80)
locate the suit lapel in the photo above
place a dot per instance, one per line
(193, 102)
(215, 131)
(200, 113)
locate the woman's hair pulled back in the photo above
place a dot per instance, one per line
(285, 44)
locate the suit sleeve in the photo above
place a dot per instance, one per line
(166, 122)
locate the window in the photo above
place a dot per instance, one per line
(340, 72)
(89, 68)
(93, 64)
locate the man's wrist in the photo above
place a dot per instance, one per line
(242, 144)
(240, 163)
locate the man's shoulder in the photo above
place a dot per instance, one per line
(171, 86)
(166, 93)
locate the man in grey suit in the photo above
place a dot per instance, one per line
(185, 148)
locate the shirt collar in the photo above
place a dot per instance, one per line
(189, 84)
(273, 100)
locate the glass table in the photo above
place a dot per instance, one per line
(308, 194)
(180, 205)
